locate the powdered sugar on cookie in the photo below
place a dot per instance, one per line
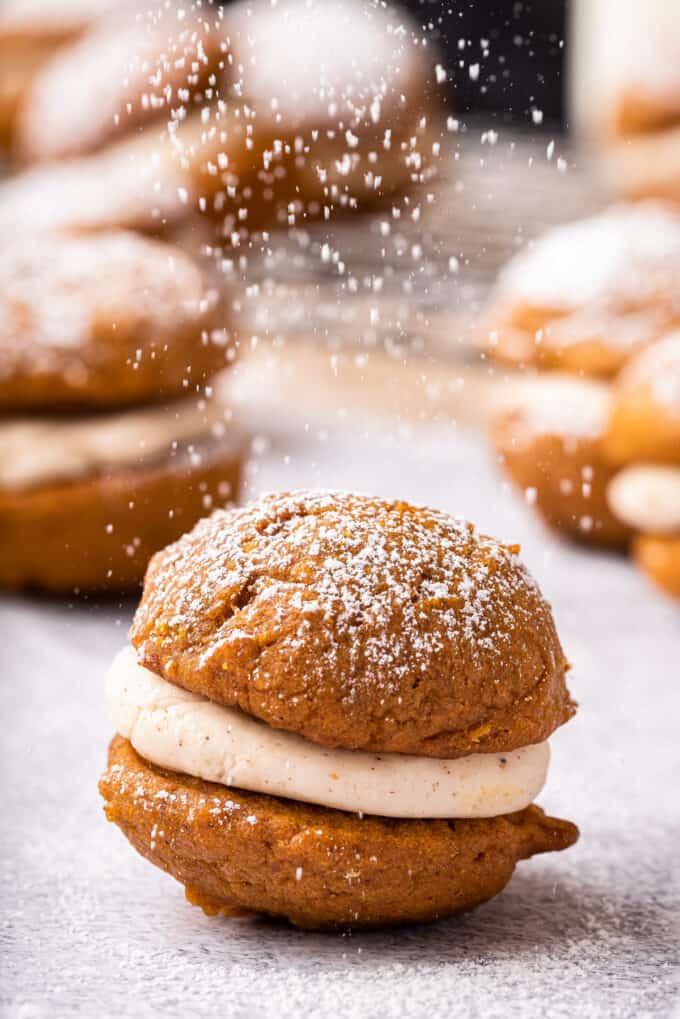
(628, 254)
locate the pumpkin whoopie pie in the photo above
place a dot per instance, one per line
(335, 710)
(549, 437)
(252, 113)
(586, 296)
(115, 433)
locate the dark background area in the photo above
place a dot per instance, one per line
(519, 46)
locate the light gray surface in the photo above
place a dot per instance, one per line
(90, 929)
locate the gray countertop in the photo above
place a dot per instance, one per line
(89, 928)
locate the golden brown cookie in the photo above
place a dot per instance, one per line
(586, 296)
(104, 321)
(642, 93)
(549, 438)
(646, 166)
(97, 533)
(641, 113)
(319, 868)
(644, 421)
(659, 556)
(625, 95)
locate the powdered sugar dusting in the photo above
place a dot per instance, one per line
(61, 299)
(128, 69)
(133, 183)
(39, 17)
(658, 367)
(134, 784)
(626, 255)
(560, 405)
(371, 71)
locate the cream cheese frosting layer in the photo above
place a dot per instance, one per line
(36, 450)
(182, 731)
(647, 498)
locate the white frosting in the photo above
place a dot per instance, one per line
(35, 450)
(592, 259)
(184, 732)
(647, 498)
(559, 405)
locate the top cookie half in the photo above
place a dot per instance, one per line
(104, 320)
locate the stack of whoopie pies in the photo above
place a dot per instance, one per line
(115, 435)
(335, 710)
(594, 439)
(255, 113)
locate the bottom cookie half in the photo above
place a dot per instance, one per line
(319, 868)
